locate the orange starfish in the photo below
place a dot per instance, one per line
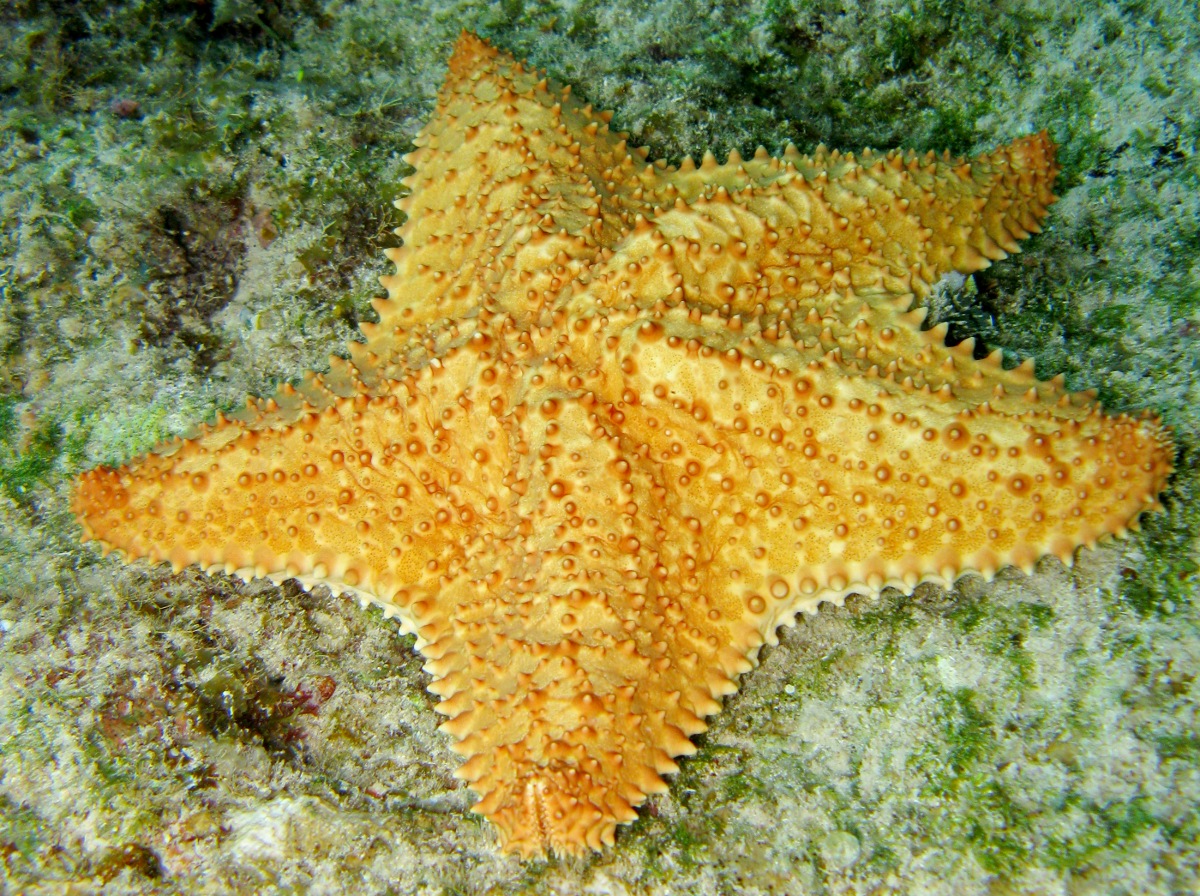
(618, 423)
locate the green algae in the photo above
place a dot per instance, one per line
(30, 457)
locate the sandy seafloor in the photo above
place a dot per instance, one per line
(195, 197)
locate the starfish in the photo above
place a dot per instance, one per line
(620, 422)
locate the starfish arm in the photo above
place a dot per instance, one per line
(923, 216)
(572, 672)
(518, 186)
(813, 479)
(373, 495)
(764, 237)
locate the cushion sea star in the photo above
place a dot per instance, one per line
(618, 423)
